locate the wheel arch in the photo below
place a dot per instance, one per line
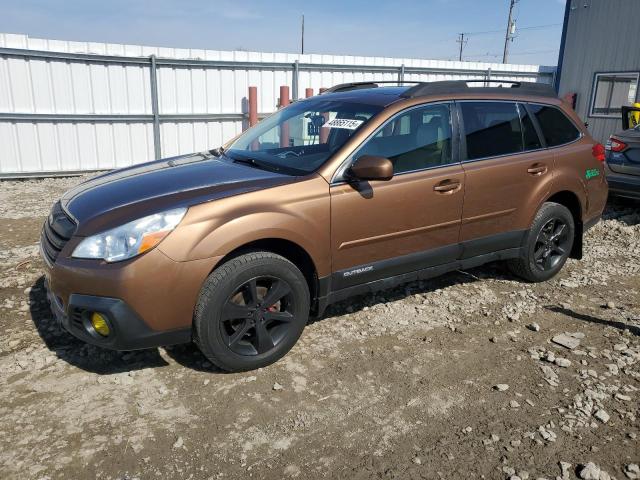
(572, 202)
(288, 249)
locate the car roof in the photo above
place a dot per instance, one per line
(382, 96)
(369, 93)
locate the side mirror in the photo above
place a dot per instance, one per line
(370, 167)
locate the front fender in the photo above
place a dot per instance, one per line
(298, 213)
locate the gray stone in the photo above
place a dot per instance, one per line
(562, 362)
(632, 471)
(178, 443)
(590, 471)
(501, 387)
(602, 416)
(566, 341)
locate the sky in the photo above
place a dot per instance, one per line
(404, 28)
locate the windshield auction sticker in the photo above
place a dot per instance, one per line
(346, 123)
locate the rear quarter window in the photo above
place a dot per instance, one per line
(556, 128)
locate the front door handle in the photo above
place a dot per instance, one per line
(537, 169)
(447, 187)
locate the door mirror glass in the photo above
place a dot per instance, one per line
(370, 167)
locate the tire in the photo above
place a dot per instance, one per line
(548, 244)
(237, 324)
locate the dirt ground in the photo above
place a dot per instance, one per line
(454, 378)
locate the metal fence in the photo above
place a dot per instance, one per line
(67, 107)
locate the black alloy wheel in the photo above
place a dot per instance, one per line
(257, 316)
(553, 244)
(251, 311)
(547, 244)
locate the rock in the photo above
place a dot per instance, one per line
(416, 460)
(620, 347)
(509, 470)
(514, 477)
(602, 416)
(178, 443)
(277, 387)
(610, 305)
(514, 404)
(562, 362)
(590, 471)
(632, 471)
(550, 375)
(534, 327)
(624, 398)
(566, 340)
(501, 387)
(565, 469)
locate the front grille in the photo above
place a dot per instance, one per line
(56, 232)
(76, 315)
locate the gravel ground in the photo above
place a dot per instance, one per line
(472, 375)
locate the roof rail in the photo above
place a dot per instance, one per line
(461, 86)
(345, 87)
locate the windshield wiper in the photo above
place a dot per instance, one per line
(252, 162)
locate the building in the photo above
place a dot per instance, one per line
(600, 60)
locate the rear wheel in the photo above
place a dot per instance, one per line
(548, 244)
(251, 311)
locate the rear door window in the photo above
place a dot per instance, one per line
(556, 127)
(491, 129)
(530, 137)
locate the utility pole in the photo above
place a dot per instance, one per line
(511, 29)
(302, 37)
(461, 41)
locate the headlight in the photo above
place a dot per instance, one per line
(131, 239)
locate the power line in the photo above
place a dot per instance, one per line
(496, 55)
(532, 27)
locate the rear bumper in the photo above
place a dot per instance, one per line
(624, 185)
(127, 330)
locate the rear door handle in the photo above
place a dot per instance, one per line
(447, 186)
(537, 169)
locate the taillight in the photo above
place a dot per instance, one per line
(615, 145)
(598, 152)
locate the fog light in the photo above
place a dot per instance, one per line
(99, 324)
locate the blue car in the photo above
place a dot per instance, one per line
(622, 163)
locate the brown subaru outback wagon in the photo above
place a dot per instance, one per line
(358, 189)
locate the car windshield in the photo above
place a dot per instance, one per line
(300, 138)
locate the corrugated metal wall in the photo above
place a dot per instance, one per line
(75, 106)
(601, 36)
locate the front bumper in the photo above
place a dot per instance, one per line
(127, 330)
(148, 301)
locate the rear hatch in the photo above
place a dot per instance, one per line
(623, 152)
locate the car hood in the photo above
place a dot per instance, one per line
(123, 195)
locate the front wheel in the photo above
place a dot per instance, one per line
(251, 311)
(548, 244)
